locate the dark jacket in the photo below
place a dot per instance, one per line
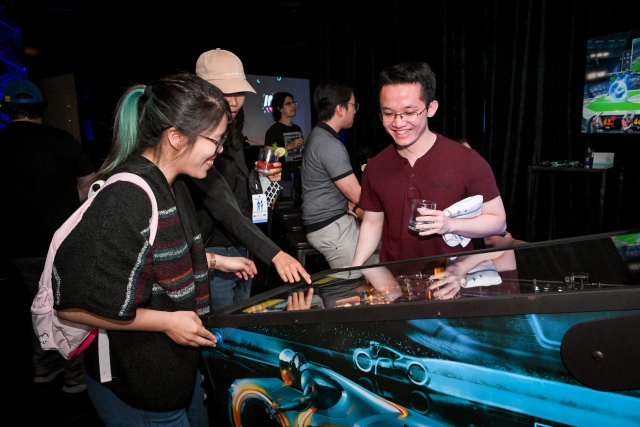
(219, 214)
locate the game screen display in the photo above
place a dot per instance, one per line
(257, 107)
(611, 102)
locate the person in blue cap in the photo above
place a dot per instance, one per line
(47, 175)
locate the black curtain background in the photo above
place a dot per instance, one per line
(510, 80)
(510, 77)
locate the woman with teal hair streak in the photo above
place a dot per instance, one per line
(150, 299)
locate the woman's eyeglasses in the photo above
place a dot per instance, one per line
(219, 143)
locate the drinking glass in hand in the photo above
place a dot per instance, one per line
(266, 160)
(417, 204)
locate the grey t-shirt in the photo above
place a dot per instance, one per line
(324, 161)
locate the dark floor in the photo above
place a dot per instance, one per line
(46, 404)
(43, 404)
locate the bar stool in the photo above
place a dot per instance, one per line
(283, 212)
(301, 247)
(277, 215)
(285, 219)
(283, 202)
(293, 223)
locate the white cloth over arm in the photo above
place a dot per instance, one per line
(465, 208)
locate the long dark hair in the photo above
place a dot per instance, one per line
(235, 128)
(144, 113)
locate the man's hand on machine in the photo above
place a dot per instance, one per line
(289, 269)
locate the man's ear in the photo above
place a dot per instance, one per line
(433, 107)
(340, 110)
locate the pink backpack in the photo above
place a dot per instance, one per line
(70, 338)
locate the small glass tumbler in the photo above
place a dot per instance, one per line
(266, 159)
(416, 205)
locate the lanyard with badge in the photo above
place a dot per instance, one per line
(262, 201)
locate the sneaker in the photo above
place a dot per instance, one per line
(74, 385)
(45, 374)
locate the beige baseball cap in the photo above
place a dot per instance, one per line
(224, 70)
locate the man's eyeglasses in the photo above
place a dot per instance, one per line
(290, 102)
(356, 105)
(388, 117)
(218, 143)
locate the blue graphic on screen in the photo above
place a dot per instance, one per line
(611, 101)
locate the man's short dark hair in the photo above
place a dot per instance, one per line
(411, 72)
(31, 110)
(328, 96)
(277, 102)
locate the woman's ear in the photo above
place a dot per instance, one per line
(176, 139)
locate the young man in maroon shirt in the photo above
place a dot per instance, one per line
(421, 165)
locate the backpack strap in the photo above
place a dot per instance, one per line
(103, 339)
(136, 179)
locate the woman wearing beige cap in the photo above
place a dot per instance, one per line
(226, 229)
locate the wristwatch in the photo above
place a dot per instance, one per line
(212, 262)
(355, 208)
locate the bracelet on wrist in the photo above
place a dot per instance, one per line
(212, 262)
(355, 208)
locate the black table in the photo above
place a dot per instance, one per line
(576, 171)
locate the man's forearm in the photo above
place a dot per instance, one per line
(368, 238)
(481, 226)
(492, 221)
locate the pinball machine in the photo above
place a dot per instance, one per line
(538, 334)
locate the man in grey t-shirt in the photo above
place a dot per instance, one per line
(330, 190)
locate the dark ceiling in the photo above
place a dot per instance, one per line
(127, 38)
(108, 46)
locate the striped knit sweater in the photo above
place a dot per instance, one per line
(107, 267)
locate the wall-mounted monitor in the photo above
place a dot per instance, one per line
(611, 102)
(257, 107)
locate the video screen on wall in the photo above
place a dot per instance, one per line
(257, 107)
(611, 102)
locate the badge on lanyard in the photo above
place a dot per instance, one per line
(260, 208)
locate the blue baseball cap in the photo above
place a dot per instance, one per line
(16, 87)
